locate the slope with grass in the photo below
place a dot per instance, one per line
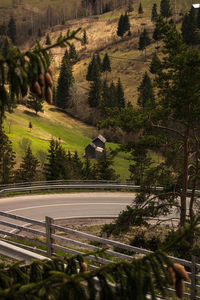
(73, 134)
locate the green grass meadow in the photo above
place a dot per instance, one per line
(73, 134)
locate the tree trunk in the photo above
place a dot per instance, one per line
(185, 178)
(191, 212)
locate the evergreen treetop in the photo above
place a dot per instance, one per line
(28, 168)
(65, 81)
(12, 30)
(48, 40)
(165, 8)
(120, 99)
(154, 13)
(146, 94)
(144, 40)
(140, 9)
(106, 67)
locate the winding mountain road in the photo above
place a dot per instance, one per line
(68, 205)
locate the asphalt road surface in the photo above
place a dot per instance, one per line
(67, 205)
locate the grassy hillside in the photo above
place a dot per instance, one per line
(127, 61)
(73, 134)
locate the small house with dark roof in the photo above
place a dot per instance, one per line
(99, 141)
(96, 147)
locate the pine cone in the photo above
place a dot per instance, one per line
(83, 267)
(49, 95)
(41, 80)
(50, 70)
(172, 275)
(180, 271)
(48, 79)
(37, 89)
(180, 288)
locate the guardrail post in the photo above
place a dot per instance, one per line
(49, 221)
(193, 290)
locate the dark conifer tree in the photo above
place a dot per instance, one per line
(57, 166)
(120, 100)
(189, 27)
(144, 41)
(120, 28)
(5, 47)
(72, 53)
(28, 168)
(113, 96)
(3, 29)
(94, 97)
(98, 60)
(35, 103)
(84, 39)
(165, 8)
(77, 167)
(7, 159)
(104, 167)
(140, 9)
(12, 32)
(105, 98)
(126, 21)
(106, 67)
(146, 94)
(93, 69)
(156, 34)
(65, 81)
(155, 65)
(154, 13)
(48, 40)
(87, 169)
(39, 32)
(198, 18)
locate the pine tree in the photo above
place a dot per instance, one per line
(146, 94)
(189, 28)
(57, 165)
(84, 39)
(165, 8)
(39, 32)
(35, 103)
(140, 9)
(77, 167)
(155, 65)
(106, 67)
(126, 23)
(28, 168)
(144, 41)
(93, 69)
(104, 167)
(98, 60)
(123, 25)
(12, 30)
(87, 170)
(120, 100)
(120, 27)
(48, 40)
(154, 13)
(5, 47)
(112, 95)
(156, 34)
(7, 159)
(72, 53)
(65, 81)
(94, 97)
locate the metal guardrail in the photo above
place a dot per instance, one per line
(52, 233)
(75, 184)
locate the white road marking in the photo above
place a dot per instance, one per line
(65, 204)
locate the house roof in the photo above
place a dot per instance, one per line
(100, 137)
(197, 5)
